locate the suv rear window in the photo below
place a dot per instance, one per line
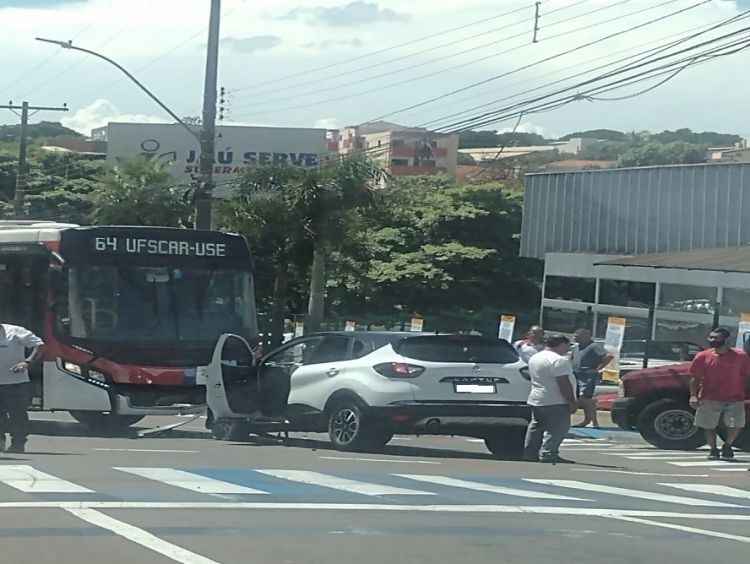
(457, 348)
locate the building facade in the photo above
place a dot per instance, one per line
(403, 151)
(609, 240)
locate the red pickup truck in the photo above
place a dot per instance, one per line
(655, 402)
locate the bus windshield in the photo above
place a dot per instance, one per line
(131, 303)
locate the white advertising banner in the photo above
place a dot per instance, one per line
(743, 331)
(416, 325)
(506, 327)
(350, 326)
(613, 339)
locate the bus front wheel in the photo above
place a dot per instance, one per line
(99, 420)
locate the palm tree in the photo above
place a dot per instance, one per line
(139, 191)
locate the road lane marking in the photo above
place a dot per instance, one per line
(705, 532)
(664, 453)
(633, 472)
(189, 481)
(139, 536)
(30, 480)
(378, 460)
(625, 492)
(710, 463)
(725, 491)
(482, 487)
(336, 483)
(144, 450)
(390, 507)
(663, 458)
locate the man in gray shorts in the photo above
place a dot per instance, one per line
(717, 391)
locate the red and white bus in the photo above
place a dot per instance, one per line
(130, 315)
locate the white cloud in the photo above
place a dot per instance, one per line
(327, 123)
(101, 112)
(528, 127)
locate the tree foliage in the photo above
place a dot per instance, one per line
(676, 152)
(473, 139)
(138, 191)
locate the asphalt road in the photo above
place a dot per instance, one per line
(181, 497)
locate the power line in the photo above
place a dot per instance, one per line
(544, 60)
(707, 27)
(408, 56)
(488, 57)
(660, 48)
(384, 50)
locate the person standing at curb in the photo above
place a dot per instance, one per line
(532, 344)
(717, 391)
(589, 358)
(14, 382)
(552, 400)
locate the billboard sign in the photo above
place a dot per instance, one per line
(236, 147)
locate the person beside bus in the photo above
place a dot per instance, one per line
(532, 344)
(14, 382)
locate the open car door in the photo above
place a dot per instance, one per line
(232, 390)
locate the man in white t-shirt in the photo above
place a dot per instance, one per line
(532, 344)
(552, 400)
(14, 382)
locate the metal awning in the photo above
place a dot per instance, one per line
(723, 259)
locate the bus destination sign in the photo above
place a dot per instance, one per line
(148, 246)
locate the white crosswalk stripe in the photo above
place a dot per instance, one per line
(725, 491)
(490, 488)
(189, 481)
(30, 480)
(625, 492)
(343, 484)
(706, 463)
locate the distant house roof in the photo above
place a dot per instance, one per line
(578, 164)
(723, 259)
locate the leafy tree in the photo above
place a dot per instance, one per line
(473, 139)
(650, 154)
(604, 134)
(287, 212)
(138, 192)
(434, 247)
(37, 131)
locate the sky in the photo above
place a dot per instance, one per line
(331, 63)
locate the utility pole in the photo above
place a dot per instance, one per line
(23, 142)
(204, 192)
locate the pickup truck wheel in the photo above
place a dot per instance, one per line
(670, 425)
(348, 427)
(742, 442)
(506, 444)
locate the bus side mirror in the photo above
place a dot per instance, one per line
(56, 280)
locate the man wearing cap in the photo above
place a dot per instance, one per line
(552, 400)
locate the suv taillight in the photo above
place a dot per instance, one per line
(525, 373)
(398, 370)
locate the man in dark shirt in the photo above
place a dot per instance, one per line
(717, 391)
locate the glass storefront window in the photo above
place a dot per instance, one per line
(694, 332)
(570, 288)
(735, 301)
(690, 299)
(564, 320)
(636, 328)
(626, 293)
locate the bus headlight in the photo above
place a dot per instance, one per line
(73, 368)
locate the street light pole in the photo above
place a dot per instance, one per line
(69, 45)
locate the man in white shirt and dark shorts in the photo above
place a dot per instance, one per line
(14, 383)
(552, 400)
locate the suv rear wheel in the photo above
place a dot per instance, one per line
(670, 424)
(350, 430)
(506, 444)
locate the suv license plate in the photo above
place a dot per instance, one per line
(475, 388)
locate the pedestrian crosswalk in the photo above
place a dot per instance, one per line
(21, 483)
(634, 453)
